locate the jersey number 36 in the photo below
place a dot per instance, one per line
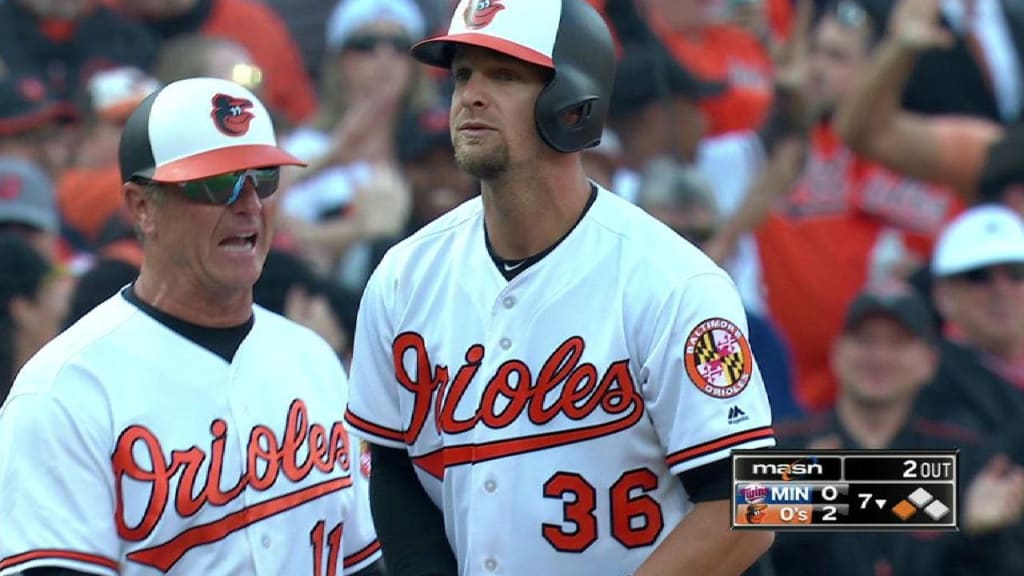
(636, 519)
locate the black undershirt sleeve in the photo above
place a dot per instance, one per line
(410, 527)
(709, 482)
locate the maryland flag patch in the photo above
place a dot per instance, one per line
(718, 358)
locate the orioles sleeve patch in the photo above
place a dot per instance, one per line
(365, 463)
(718, 358)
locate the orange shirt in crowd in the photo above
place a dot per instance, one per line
(817, 249)
(88, 197)
(727, 53)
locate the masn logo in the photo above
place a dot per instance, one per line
(788, 471)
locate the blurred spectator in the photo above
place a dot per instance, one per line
(828, 223)
(369, 82)
(436, 182)
(978, 270)
(949, 150)
(979, 74)
(28, 208)
(33, 300)
(89, 191)
(194, 55)
(30, 122)
(721, 52)
(655, 111)
(64, 42)
(106, 277)
(288, 286)
(884, 356)
(254, 26)
(681, 198)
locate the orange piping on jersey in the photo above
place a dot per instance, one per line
(373, 429)
(96, 559)
(677, 458)
(164, 556)
(363, 554)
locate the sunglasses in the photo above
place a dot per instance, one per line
(850, 14)
(986, 275)
(226, 189)
(366, 43)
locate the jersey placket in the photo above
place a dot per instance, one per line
(489, 547)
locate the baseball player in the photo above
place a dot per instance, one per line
(551, 379)
(178, 428)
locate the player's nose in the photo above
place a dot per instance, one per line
(472, 93)
(248, 201)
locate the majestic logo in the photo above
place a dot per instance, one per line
(564, 386)
(140, 460)
(480, 13)
(718, 358)
(736, 415)
(231, 115)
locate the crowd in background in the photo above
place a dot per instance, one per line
(856, 165)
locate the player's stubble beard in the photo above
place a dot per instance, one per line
(479, 160)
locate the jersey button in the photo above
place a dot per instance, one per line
(505, 343)
(490, 486)
(265, 541)
(490, 564)
(509, 301)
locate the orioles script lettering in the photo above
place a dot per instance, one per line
(140, 456)
(564, 386)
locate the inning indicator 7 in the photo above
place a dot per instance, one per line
(870, 490)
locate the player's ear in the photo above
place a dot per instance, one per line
(141, 202)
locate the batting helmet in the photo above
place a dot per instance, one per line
(196, 128)
(567, 36)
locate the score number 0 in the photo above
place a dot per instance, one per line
(829, 494)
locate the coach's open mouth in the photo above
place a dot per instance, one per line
(240, 242)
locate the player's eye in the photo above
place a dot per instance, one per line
(461, 74)
(506, 75)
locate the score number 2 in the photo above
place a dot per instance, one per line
(629, 500)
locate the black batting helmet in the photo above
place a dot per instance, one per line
(567, 36)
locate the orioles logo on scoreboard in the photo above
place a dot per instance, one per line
(718, 358)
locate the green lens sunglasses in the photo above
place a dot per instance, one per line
(226, 189)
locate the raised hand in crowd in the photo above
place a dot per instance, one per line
(995, 498)
(916, 24)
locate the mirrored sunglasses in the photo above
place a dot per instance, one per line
(226, 189)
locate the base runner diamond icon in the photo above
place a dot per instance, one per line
(936, 510)
(904, 510)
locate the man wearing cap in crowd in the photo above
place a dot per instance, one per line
(978, 277)
(505, 344)
(28, 207)
(886, 354)
(29, 123)
(179, 385)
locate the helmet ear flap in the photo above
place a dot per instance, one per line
(572, 108)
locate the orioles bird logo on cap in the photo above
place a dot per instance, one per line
(480, 13)
(231, 115)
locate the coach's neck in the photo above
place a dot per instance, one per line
(176, 295)
(530, 208)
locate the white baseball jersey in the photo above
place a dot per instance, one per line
(127, 449)
(549, 415)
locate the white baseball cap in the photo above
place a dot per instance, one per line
(523, 29)
(351, 15)
(982, 236)
(196, 128)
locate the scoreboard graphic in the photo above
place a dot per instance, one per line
(866, 490)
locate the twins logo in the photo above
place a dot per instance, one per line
(231, 115)
(183, 481)
(564, 386)
(480, 13)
